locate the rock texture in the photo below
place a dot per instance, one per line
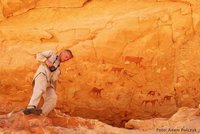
(185, 121)
(19, 123)
(134, 59)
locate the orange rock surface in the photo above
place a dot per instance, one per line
(133, 59)
(185, 121)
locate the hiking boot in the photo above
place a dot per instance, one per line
(32, 110)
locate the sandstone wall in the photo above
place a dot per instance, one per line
(133, 59)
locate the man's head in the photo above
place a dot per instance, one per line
(66, 55)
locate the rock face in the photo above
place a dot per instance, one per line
(186, 120)
(132, 59)
(22, 124)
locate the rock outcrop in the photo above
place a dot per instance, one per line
(132, 59)
(186, 121)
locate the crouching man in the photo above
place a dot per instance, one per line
(44, 81)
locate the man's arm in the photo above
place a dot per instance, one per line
(42, 57)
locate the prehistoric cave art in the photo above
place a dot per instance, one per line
(136, 60)
(96, 91)
(136, 65)
(133, 59)
(152, 102)
(156, 98)
(167, 98)
(117, 69)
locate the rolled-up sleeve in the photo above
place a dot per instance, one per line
(42, 57)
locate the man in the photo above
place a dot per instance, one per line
(45, 81)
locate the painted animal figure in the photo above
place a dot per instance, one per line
(116, 69)
(96, 91)
(153, 102)
(136, 60)
(167, 98)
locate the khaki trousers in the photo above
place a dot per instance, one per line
(43, 89)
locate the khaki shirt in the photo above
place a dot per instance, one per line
(51, 76)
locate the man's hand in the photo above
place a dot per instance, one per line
(49, 63)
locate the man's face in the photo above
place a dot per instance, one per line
(64, 56)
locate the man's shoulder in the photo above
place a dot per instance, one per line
(50, 52)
